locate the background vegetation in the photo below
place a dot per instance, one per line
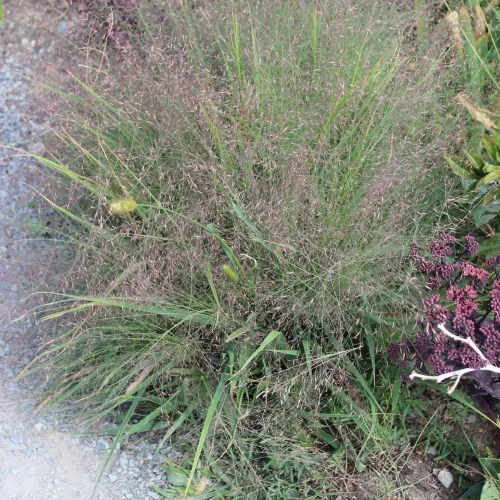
(242, 182)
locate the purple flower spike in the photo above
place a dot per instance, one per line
(472, 245)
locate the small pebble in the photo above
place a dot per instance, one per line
(471, 418)
(445, 477)
(37, 148)
(17, 438)
(62, 27)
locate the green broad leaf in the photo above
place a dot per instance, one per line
(165, 494)
(490, 146)
(488, 179)
(474, 492)
(176, 476)
(491, 196)
(490, 167)
(481, 215)
(460, 171)
(289, 352)
(466, 198)
(326, 438)
(490, 491)
(476, 162)
(493, 208)
(491, 246)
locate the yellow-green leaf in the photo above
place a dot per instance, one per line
(489, 167)
(488, 179)
(461, 172)
(490, 146)
(476, 162)
(490, 196)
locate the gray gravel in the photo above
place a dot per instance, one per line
(39, 458)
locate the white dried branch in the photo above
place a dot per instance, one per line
(457, 374)
(467, 341)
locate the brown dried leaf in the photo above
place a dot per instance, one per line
(479, 22)
(454, 22)
(133, 386)
(479, 114)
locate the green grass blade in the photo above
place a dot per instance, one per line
(136, 400)
(183, 313)
(210, 278)
(307, 352)
(206, 427)
(270, 338)
(178, 422)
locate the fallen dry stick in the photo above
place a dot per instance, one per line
(457, 374)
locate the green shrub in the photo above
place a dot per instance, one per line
(480, 174)
(243, 184)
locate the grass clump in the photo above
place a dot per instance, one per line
(243, 183)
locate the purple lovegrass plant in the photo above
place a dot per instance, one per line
(460, 333)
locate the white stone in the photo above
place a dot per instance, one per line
(445, 477)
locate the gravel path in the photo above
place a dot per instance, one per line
(39, 460)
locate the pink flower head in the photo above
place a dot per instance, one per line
(493, 263)
(413, 255)
(426, 266)
(434, 310)
(495, 301)
(434, 283)
(472, 245)
(463, 325)
(446, 270)
(466, 308)
(439, 249)
(460, 295)
(448, 239)
(474, 272)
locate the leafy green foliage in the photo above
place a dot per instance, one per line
(481, 176)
